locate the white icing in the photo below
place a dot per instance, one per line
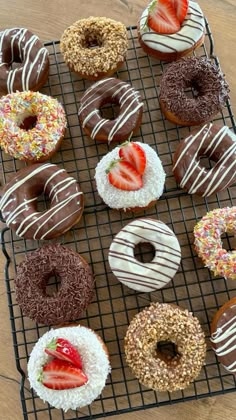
(153, 182)
(226, 334)
(95, 365)
(190, 33)
(145, 277)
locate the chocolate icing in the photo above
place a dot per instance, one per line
(201, 75)
(74, 294)
(21, 46)
(18, 203)
(110, 91)
(217, 143)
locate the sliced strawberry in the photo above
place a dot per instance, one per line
(181, 8)
(162, 17)
(124, 176)
(64, 350)
(59, 374)
(134, 154)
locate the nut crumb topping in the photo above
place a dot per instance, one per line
(94, 45)
(164, 322)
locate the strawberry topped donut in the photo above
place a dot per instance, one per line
(171, 29)
(130, 177)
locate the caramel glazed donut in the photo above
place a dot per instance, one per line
(173, 46)
(145, 277)
(21, 46)
(219, 145)
(18, 202)
(107, 91)
(74, 294)
(160, 324)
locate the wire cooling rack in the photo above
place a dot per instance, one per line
(114, 305)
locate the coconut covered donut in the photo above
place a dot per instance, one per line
(74, 294)
(145, 277)
(78, 44)
(208, 243)
(161, 326)
(95, 363)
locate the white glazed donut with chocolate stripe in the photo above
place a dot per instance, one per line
(21, 46)
(219, 145)
(145, 277)
(18, 202)
(173, 46)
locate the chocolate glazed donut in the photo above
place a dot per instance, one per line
(219, 145)
(21, 46)
(110, 91)
(18, 203)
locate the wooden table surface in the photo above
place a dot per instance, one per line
(48, 19)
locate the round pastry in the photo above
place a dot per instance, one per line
(211, 91)
(223, 338)
(110, 91)
(165, 347)
(145, 277)
(94, 47)
(18, 45)
(130, 177)
(74, 294)
(18, 202)
(208, 243)
(219, 145)
(35, 144)
(183, 39)
(95, 362)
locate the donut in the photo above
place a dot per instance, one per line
(18, 202)
(75, 292)
(96, 366)
(153, 180)
(110, 91)
(173, 46)
(208, 243)
(165, 347)
(94, 47)
(223, 338)
(219, 145)
(19, 45)
(149, 276)
(39, 143)
(211, 91)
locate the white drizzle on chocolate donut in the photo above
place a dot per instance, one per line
(145, 277)
(218, 144)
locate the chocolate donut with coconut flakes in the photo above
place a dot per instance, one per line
(19, 45)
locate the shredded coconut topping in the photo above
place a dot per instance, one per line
(95, 365)
(78, 44)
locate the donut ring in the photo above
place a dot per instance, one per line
(74, 294)
(18, 203)
(21, 46)
(161, 323)
(208, 243)
(217, 143)
(78, 42)
(203, 77)
(107, 91)
(39, 143)
(145, 277)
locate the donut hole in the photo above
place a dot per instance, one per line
(167, 351)
(205, 162)
(109, 110)
(53, 284)
(28, 123)
(92, 40)
(144, 252)
(43, 202)
(228, 242)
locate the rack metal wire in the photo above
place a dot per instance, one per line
(114, 305)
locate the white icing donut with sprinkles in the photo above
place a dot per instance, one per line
(19, 45)
(145, 277)
(31, 144)
(176, 43)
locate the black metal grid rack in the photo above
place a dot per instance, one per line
(114, 305)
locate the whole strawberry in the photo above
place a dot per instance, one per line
(64, 350)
